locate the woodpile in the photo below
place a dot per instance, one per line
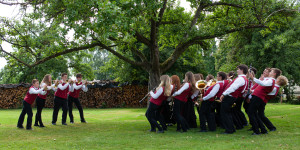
(101, 94)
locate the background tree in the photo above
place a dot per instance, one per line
(131, 28)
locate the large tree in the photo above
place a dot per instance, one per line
(130, 28)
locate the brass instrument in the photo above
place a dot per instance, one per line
(201, 84)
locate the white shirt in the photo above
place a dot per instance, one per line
(37, 91)
(213, 92)
(48, 87)
(265, 82)
(183, 88)
(77, 87)
(158, 92)
(238, 82)
(61, 87)
(274, 90)
(196, 93)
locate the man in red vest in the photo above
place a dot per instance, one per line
(74, 97)
(257, 101)
(235, 89)
(60, 99)
(206, 111)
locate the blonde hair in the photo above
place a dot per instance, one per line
(166, 83)
(282, 81)
(46, 79)
(189, 78)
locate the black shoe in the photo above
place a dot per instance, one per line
(264, 132)
(250, 129)
(42, 126)
(274, 129)
(162, 131)
(178, 130)
(83, 121)
(246, 124)
(20, 126)
(64, 123)
(53, 123)
(203, 131)
(239, 128)
(36, 125)
(152, 130)
(72, 122)
(29, 128)
(255, 133)
(184, 130)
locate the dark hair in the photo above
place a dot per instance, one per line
(254, 70)
(34, 81)
(277, 71)
(63, 74)
(197, 77)
(78, 75)
(244, 68)
(210, 76)
(231, 74)
(223, 75)
(175, 82)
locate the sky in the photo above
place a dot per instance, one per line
(12, 11)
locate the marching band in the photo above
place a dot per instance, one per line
(218, 101)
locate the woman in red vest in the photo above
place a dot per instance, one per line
(180, 97)
(163, 91)
(40, 100)
(28, 100)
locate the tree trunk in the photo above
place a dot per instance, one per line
(154, 79)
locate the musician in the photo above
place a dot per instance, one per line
(236, 88)
(206, 111)
(163, 91)
(281, 81)
(257, 101)
(60, 99)
(40, 100)
(28, 101)
(189, 110)
(180, 97)
(73, 96)
(208, 78)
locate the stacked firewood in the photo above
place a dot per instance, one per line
(104, 95)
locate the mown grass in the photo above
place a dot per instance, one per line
(128, 129)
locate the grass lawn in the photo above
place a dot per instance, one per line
(126, 128)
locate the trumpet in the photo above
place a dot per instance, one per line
(211, 82)
(201, 84)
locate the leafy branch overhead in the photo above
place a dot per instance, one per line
(132, 28)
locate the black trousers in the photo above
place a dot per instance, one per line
(207, 114)
(40, 104)
(189, 113)
(238, 108)
(218, 114)
(256, 104)
(181, 122)
(264, 119)
(58, 103)
(72, 100)
(151, 116)
(26, 110)
(226, 113)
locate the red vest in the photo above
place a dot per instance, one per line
(262, 91)
(160, 99)
(226, 83)
(219, 93)
(62, 93)
(239, 92)
(268, 97)
(29, 98)
(44, 96)
(254, 86)
(183, 96)
(75, 94)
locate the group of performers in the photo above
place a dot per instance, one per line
(66, 93)
(218, 102)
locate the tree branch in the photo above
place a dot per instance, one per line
(11, 55)
(142, 39)
(161, 13)
(197, 40)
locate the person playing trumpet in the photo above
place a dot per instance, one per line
(206, 112)
(60, 99)
(74, 97)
